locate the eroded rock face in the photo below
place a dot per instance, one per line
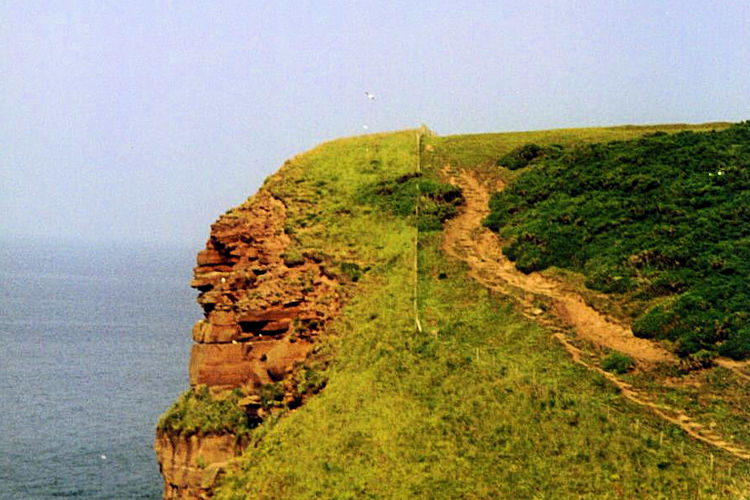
(264, 307)
(190, 464)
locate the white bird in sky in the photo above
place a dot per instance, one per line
(370, 96)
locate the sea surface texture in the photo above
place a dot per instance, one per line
(94, 345)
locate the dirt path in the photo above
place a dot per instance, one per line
(469, 241)
(466, 239)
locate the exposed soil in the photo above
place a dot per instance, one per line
(466, 239)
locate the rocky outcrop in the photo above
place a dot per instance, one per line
(263, 303)
(264, 306)
(191, 464)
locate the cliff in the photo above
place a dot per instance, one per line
(262, 306)
(190, 463)
(263, 310)
(275, 272)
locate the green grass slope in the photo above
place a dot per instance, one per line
(481, 403)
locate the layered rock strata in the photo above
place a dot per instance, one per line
(192, 463)
(264, 305)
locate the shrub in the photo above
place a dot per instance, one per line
(196, 411)
(438, 202)
(618, 363)
(271, 394)
(737, 346)
(665, 215)
(702, 358)
(521, 156)
(310, 380)
(610, 279)
(528, 153)
(654, 324)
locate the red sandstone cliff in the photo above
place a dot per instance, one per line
(190, 464)
(264, 305)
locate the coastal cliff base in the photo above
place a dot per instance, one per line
(190, 464)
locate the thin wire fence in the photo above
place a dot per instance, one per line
(417, 323)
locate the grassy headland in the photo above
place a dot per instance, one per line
(482, 403)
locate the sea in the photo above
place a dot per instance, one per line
(94, 346)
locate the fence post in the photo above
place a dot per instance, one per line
(416, 236)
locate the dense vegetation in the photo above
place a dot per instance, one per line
(197, 411)
(665, 218)
(617, 362)
(524, 155)
(438, 201)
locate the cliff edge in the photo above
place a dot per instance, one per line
(275, 272)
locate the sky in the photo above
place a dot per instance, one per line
(143, 121)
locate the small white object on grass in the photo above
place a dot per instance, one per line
(104, 457)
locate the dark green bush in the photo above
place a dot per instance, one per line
(608, 277)
(524, 155)
(438, 202)
(663, 215)
(271, 394)
(618, 363)
(737, 346)
(654, 323)
(520, 157)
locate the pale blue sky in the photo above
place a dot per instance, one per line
(144, 120)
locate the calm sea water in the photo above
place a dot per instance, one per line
(94, 345)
